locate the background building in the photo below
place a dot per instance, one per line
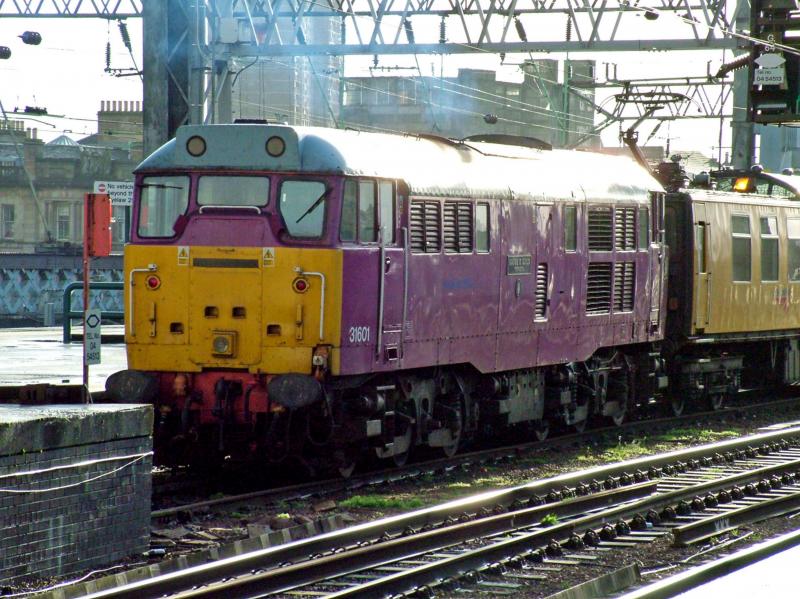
(475, 102)
(42, 212)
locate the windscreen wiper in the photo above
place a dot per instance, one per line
(160, 186)
(313, 206)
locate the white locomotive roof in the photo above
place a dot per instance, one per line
(429, 165)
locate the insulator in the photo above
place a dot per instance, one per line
(409, 30)
(442, 31)
(126, 38)
(5, 52)
(108, 55)
(490, 119)
(32, 38)
(343, 32)
(569, 29)
(520, 30)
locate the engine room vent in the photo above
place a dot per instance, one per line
(424, 232)
(601, 232)
(540, 309)
(457, 227)
(624, 285)
(625, 229)
(598, 288)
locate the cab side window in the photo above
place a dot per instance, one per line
(367, 209)
(367, 215)
(386, 201)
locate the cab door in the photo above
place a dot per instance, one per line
(658, 262)
(702, 278)
(391, 273)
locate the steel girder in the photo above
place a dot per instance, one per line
(659, 101)
(442, 26)
(494, 26)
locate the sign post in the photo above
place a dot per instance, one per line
(96, 242)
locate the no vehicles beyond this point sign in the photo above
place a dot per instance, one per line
(91, 337)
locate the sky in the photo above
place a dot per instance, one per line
(65, 74)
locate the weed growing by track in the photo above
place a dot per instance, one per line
(381, 502)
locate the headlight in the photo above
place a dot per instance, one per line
(223, 344)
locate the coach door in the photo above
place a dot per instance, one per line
(702, 286)
(391, 276)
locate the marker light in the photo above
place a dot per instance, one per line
(275, 146)
(153, 282)
(196, 145)
(742, 184)
(300, 285)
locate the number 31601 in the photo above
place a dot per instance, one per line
(359, 334)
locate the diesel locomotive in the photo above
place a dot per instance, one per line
(316, 293)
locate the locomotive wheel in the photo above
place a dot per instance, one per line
(451, 449)
(678, 404)
(619, 417)
(344, 462)
(401, 457)
(716, 401)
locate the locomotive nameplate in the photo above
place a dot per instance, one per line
(519, 265)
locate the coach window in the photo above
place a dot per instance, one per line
(793, 233)
(644, 228)
(740, 255)
(769, 248)
(570, 228)
(386, 202)
(302, 206)
(482, 227)
(161, 201)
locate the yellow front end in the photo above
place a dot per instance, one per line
(264, 310)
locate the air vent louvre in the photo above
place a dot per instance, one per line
(457, 226)
(598, 288)
(424, 233)
(624, 286)
(625, 229)
(541, 290)
(601, 231)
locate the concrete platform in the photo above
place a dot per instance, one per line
(26, 429)
(37, 355)
(75, 486)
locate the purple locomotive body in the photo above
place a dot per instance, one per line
(391, 291)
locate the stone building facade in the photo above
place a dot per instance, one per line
(42, 211)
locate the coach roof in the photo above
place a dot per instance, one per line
(429, 165)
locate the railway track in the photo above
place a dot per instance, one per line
(329, 486)
(570, 518)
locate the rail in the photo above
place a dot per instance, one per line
(69, 313)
